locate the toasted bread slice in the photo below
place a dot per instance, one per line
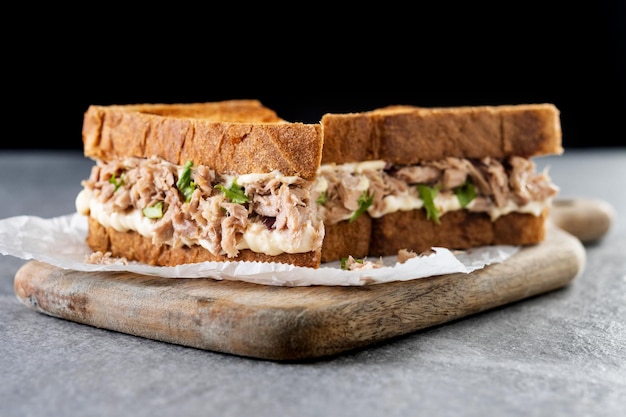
(239, 136)
(459, 229)
(347, 238)
(132, 245)
(406, 135)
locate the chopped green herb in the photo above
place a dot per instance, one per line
(465, 194)
(117, 182)
(185, 185)
(365, 201)
(235, 193)
(344, 262)
(321, 199)
(154, 211)
(428, 194)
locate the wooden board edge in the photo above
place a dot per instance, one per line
(374, 314)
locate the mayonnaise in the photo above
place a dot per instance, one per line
(257, 237)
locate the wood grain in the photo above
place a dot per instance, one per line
(291, 323)
(586, 218)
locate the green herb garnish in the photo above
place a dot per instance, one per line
(154, 211)
(465, 194)
(117, 182)
(365, 201)
(344, 262)
(235, 193)
(428, 194)
(185, 185)
(321, 199)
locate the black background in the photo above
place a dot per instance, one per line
(316, 60)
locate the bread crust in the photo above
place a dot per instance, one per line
(133, 246)
(458, 229)
(217, 111)
(231, 137)
(407, 134)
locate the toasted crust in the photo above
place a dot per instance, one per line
(237, 136)
(407, 134)
(133, 246)
(350, 137)
(218, 111)
(459, 229)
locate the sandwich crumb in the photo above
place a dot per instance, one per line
(353, 264)
(406, 254)
(107, 258)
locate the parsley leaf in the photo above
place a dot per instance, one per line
(154, 212)
(365, 201)
(428, 194)
(343, 263)
(321, 199)
(184, 184)
(465, 194)
(117, 182)
(235, 193)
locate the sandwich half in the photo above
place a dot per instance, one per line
(185, 183)
(404, 177)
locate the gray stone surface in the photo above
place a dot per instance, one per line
(558, 354)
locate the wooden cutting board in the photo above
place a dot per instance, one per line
(291, 323)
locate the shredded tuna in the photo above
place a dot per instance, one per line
(208, 218)
(233, 225)
(352, 264)
(404, 255)
(288, 205)
(418, 174)
(496, 182)
(99, 258)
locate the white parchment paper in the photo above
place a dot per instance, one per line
(60, 241)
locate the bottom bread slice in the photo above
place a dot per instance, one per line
(133, 246)
(383, 236)
(347, 238)
(458, 229)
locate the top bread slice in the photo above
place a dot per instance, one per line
(235, 136)
(406, 135)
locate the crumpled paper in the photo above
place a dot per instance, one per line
(60, 241)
